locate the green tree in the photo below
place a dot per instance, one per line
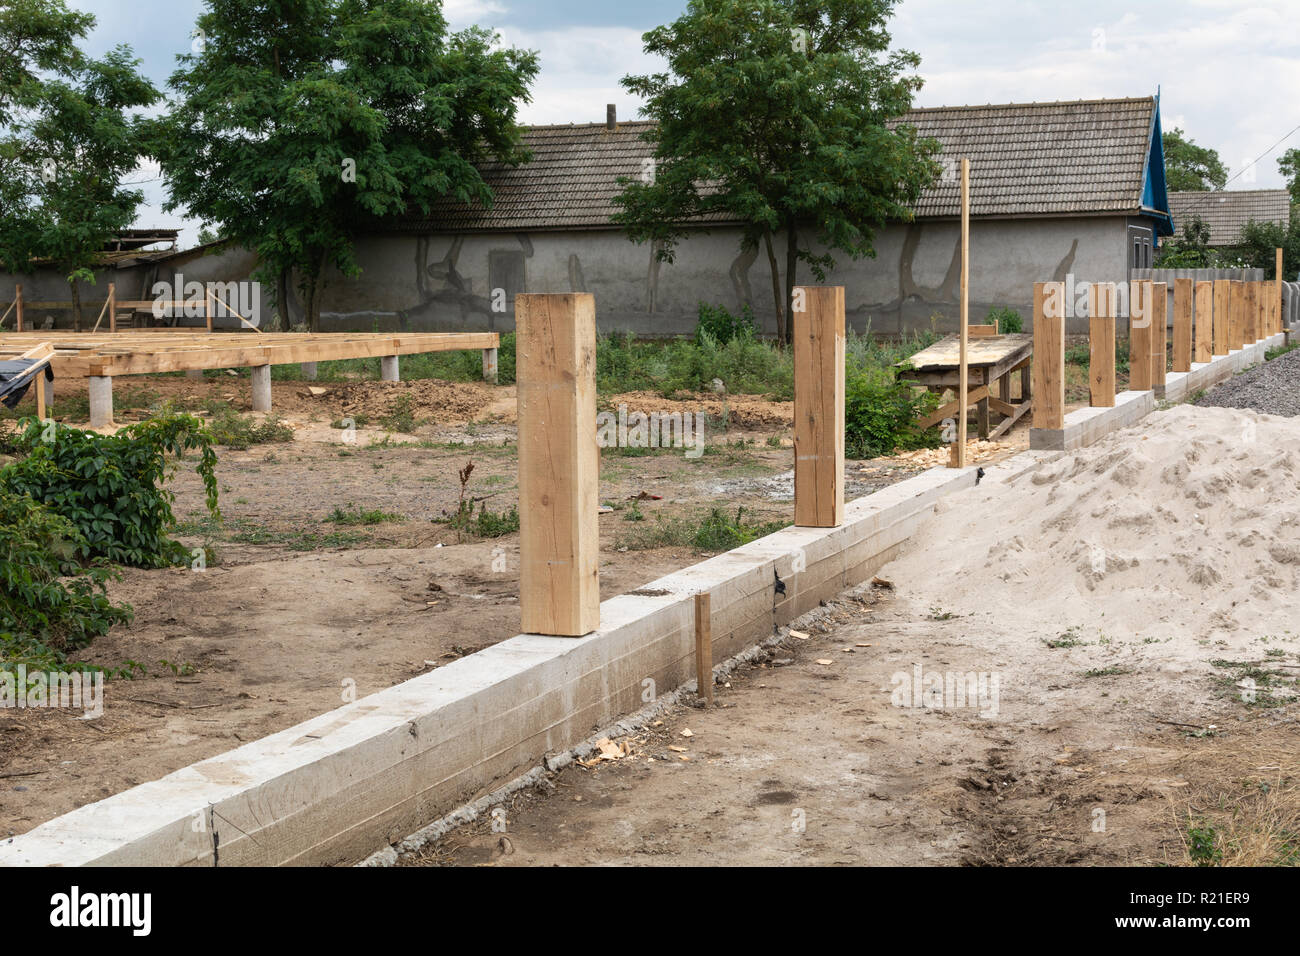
(1191, 168)
(67, 144)
(1289, 164)
(298, 123)
(1192, 250)
(777, 113)
(1260, 242)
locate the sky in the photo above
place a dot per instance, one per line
(1227, 69)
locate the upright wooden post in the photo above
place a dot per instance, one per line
(1222, 316)
(957, 456)
(1250, 323)
(1261, 294)
(1141, 331)
(1279, 321)
(112, 307)
(18, 299)
(1183, 293)
(559, 585)
(1203, 347)
(817, 315)
(703, 648)
(1049, 355)
(39, 385)
(207, 310)
(1237, 316)
(1101, 345)
(1160, 332)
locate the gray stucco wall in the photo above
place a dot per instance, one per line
(446, 282)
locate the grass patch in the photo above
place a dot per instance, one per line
(352, 515)
(712, 531)
(1253, 685)
(1280, 350)
(238, 431)
(1111, 671)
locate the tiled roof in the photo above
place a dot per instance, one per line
(1086, 157)
(1226, 212)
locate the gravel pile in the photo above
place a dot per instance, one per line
(1272, 388)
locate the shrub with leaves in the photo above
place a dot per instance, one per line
(719, 324)
(112, 488)
(49, 603)
(880, 413)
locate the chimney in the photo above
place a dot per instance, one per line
(611, 117)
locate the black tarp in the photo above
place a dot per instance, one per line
(12, 392)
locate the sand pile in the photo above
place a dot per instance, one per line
(1184, 530)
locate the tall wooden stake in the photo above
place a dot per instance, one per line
(957, 457)
(1222, 317)
(112, 307)
(1184, 291)
(1279, 321)
(1141, 331)
(817, 315)
(18, 298)
(1203, 348)
(703, 648)
(559, 586)
(1101, 345)
(1049, 355)
(1159, 332)
(1237, 316)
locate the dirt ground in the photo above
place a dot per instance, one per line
(1144, 711)
(298, 611)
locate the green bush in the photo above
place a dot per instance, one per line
(880, 413)
(49, 604)
(111, 488)
(1008, 320)
(716, 323)
(238, 432)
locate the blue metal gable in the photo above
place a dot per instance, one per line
(1155, 194)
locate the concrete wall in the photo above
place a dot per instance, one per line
(446, 282)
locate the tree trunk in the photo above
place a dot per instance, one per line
(76, 306)
(776, 286)
(791, 268)
(282, 300)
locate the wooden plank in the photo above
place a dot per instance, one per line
(1049, 355)
(818, 331)
(957, 457)
(559, 587)
(1237, 316)
(1101, 347)
(1183, 304)
(953, 408)
(983, 331)
(1008, 423)
(703, 648)
(1203, 343)
(1222, 317)
(1159, 332)
(1141, 332)
(112, 307)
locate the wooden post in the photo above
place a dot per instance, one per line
(957, 455)
(1203, 347)
(1101, 345)
(112, 307)
(1141, 332)
(1049, 355)
(818, 329)
(1279, 321)
(1250, 317)
(1184, 290)
(1222, 317)
(207, 310)
(18, 298)
(559, 585)
(1261, 294)
(703, 648)
(1159, 332)
(39, 385)
(1236, 316)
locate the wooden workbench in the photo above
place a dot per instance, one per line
(990, 359)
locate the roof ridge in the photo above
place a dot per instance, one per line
(1003, 106)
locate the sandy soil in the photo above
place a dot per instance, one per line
(299, 610)
(1135, 603)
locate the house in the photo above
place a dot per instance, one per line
(1227, 212)
(1058, 189)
